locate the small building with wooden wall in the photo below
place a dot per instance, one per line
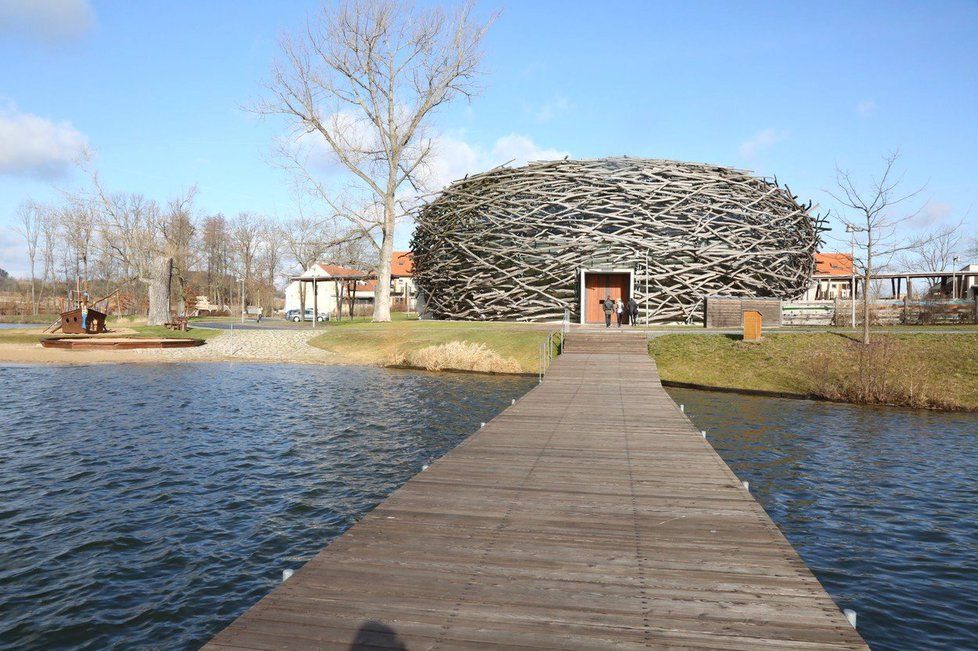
(728, 311)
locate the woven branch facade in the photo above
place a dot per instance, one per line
(512, 243)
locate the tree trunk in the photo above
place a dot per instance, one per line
(866, 308)
(159, 291)
(382, 294)
(181, 296)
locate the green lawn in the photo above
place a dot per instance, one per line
(941, 367)
(29, 319)
(376, 343)
(395, 316)
(17, 336)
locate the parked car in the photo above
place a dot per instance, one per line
(294, 315)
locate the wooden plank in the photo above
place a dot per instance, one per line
(589, 515)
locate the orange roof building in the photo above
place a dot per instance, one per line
(402, 264)
(337, 270)
(833, 264)
(330, 295)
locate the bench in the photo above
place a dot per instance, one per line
(179, 324)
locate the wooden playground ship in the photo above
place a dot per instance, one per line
(83, 319)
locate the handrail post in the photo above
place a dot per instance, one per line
(540, 363)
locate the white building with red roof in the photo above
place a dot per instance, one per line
(832, 278)
(325, 286)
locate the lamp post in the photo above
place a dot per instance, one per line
(954, 278)
(852, 230)
(242, 299)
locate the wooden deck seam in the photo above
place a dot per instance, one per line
(589, 514)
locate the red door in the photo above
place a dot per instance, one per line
(599, 285)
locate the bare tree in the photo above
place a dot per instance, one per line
(303, 239)
(869, 215)
(49, 243)
(78, 222)
(364, 78)
(145, 241)
(935, 252)
(177, 228)
(215, 243)
(245, 238)
(972, 248)
(30, 218)
(310, 239)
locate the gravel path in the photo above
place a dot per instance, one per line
(266, 345)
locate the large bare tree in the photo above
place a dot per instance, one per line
(872, 214)
(364, 78)
(145, 241)
(178, 229)
(30, 220)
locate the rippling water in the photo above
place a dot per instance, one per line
(881, 503)
(147, 506)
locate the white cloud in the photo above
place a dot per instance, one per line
(33, 146)
(48, 21)
(454, 158)
(760, 141)
(865, 108)
(931, 214)
(551, 109)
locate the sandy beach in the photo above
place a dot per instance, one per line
(247, 345)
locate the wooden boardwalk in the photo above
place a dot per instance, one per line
(589, 515)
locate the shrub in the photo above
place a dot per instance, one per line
(885, 372)
(458, 356)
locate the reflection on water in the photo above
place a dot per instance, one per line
(881, 503)
(147, 506)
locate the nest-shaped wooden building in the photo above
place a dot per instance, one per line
(528, 243)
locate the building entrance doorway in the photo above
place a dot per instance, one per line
(599, 284)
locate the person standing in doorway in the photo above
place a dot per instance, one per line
(620, 311)
(609, 306)
(632, 311)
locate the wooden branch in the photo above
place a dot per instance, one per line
(510, 243)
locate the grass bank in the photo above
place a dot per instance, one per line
(915, 370)
(487, 347)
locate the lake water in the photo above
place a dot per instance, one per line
(147, 506)
(882, 504)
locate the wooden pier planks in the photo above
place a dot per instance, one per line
(589, 515)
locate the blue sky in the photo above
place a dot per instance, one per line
(156, 90)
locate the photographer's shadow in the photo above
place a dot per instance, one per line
(374, 635)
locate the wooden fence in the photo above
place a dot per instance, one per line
(882, 312)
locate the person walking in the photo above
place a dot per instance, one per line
(609, 306)
(620, 311)
(632, 311)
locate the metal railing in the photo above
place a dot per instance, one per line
(553, 346)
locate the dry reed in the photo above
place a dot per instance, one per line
(457, 356)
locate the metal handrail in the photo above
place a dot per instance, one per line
(547, 352)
